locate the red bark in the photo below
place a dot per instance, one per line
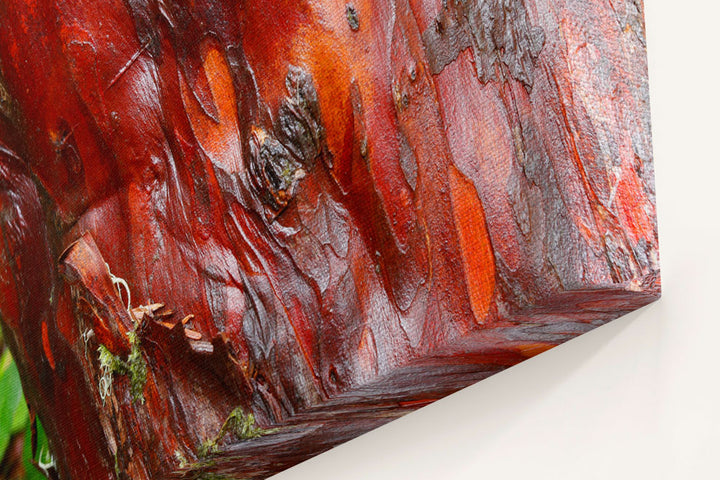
(364, 206)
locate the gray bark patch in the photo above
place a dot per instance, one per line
(498, 31)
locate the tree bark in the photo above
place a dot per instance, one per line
(237, 233)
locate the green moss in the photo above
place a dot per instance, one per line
(208, 447)
(242, 425)
(117, 465)
(109, 364)
(137, 368)
(239, 424)
(212, 476)
(180, 457)
(134, 367)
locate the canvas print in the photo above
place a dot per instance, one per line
(236, 233)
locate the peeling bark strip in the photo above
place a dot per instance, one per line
(497, 30)
(235, 234)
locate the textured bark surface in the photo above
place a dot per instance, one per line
(346, 211)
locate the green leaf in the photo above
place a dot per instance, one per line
(13, 410)
(22, 416)
(15, 418)
(43, 452)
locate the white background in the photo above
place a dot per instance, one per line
(636, 399)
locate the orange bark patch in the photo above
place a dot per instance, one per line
(367, 351)
(46, 345)
(477, 254)
(531, 349)
(631, 207)
(220, 139)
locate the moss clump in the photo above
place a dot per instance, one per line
(180, 457)
(242, 425)
(134, 367)
(137, 367)
(238, 423)
(208, 447)
(109, 364)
